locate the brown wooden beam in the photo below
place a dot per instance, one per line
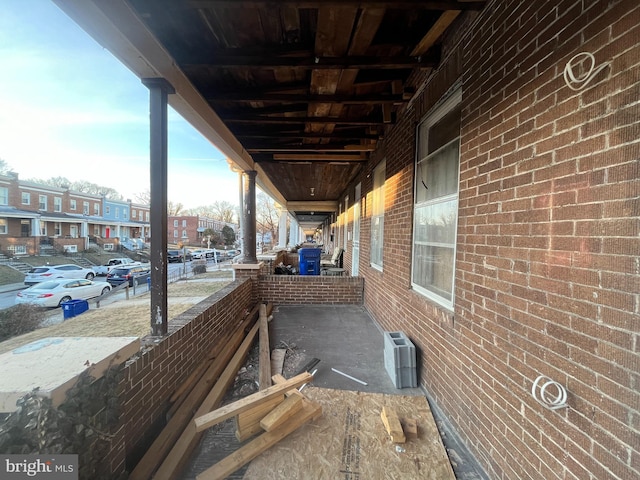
(313, 62)
(312, 147)
(400, 4)
(298, 120)
(249, 96)
(321, 157)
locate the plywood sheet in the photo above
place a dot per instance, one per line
(349, 442)
(59, 361)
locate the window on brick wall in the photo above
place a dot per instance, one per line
(73, 204)
(42, 202)
(26, 198)
(4, 196)
(435, 216)
(377, 215)
(57, 204)
(3, 226)
(85, 208)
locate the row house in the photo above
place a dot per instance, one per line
(37, 218)
(190, 229)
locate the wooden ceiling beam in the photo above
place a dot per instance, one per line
(313, 62)
(435, 32)
(249, 96)
(399, 4)
(318, 157)
(312, 147)
(303, 135)
(299, 120)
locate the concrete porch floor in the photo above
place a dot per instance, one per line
(343, 337)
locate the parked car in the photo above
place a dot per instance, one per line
(201, 253)
(50, 272)
(113, 263)
(52, 293)
(136, 275)
(176, 256)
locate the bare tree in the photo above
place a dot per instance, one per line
(175, 209)
(80, 186)
(4, 167)
(267, 216)
(143, 198)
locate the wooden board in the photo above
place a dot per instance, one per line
(349, 442)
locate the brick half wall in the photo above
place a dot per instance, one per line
(308, 289)
(151, 378)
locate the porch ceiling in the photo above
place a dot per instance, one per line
(299, 91)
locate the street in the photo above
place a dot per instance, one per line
(7, 299)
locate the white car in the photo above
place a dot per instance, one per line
(51, 272)
(54, 292)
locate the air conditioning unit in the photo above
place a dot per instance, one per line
(71, 249)
(108, 246)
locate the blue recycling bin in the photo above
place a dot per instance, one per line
(73, 308)
(309, 261)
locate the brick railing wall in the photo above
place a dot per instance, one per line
(310, 289)
(150, 380)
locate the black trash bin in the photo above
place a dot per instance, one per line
(309, 259)
(73, 308)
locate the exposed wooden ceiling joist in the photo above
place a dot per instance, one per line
(425, 60)
(294, 98)
(297, 120)
(399, 4)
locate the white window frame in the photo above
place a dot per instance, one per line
(96, 209)
(73, 204)
(4, 196)
(376, 253)
(85, 208)
(26, 198)
(432, 118)
(57, 229)
(42, 203)
(57, 204)
(4, 226)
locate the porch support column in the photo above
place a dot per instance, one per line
(159, 89)
(293, 232)
(282, 228)
(249, 218)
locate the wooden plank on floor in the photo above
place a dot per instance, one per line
(392, 424)
(246, 453)
(184, 415)
(349, 441)
(282, 413)
(264, 373)
(176, 459)
(210, 419)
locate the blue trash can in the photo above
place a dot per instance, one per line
(74, 307)
(309, 261)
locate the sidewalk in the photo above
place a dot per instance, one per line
(12, 287)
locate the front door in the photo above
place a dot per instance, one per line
(355, 246)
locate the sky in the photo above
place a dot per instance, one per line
(68, 108)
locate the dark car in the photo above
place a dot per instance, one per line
(134, 275)
(174, 256)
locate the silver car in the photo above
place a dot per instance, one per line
(54, 292)
(51, 272)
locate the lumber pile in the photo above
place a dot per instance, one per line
(273, 412)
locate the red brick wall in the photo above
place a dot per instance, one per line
(150, 380)
(547, 266)
(310, 289)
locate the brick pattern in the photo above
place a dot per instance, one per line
(151, 379)
(548, 265)
(310, 290)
